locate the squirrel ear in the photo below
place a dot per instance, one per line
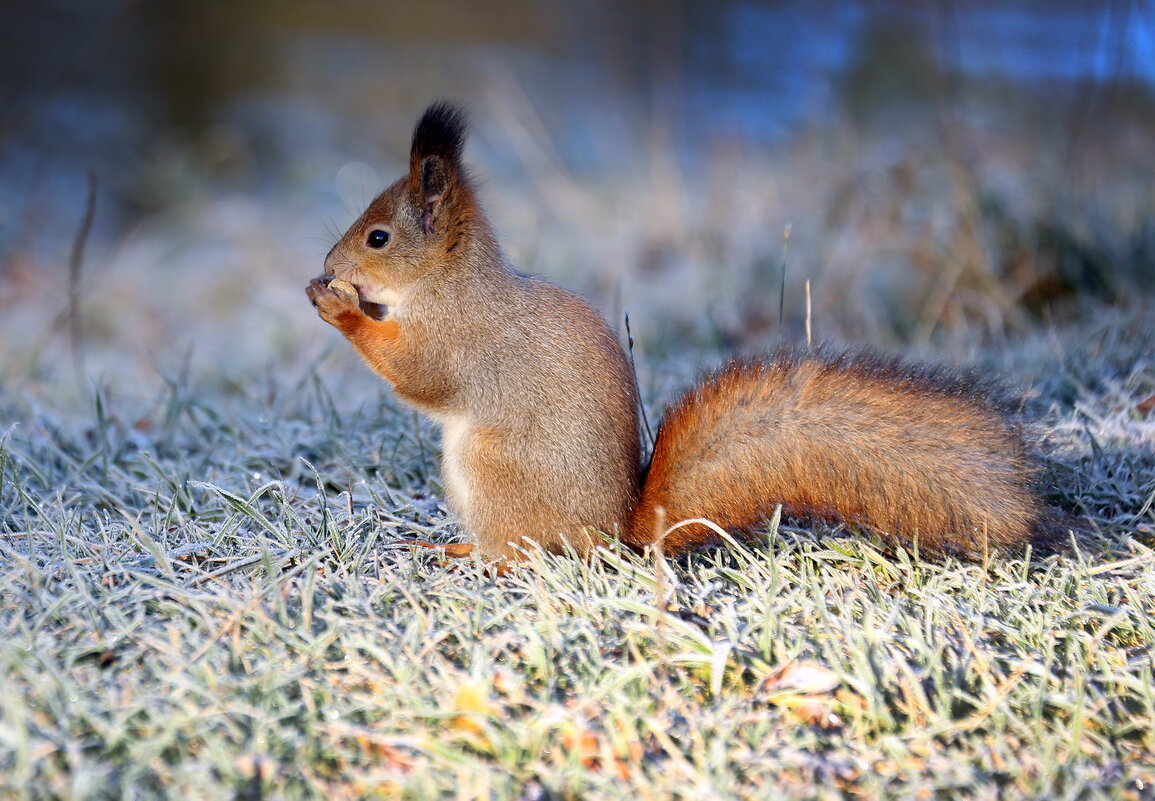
(434, 185)
(435, 159)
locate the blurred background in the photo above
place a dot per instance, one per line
(944, 174)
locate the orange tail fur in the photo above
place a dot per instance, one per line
(916, 454)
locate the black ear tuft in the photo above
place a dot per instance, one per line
(441, 133)
(435, 160)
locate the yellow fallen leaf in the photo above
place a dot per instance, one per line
(472, 706)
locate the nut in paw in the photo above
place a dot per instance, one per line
(332, 302)
(337, 285)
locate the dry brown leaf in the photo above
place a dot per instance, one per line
(814, 712)
(808, 691)
(807, 678)
(588, 747)
(584, 744)
(255, 766)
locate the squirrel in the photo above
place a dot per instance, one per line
(538, 405)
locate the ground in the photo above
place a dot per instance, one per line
(205, 593)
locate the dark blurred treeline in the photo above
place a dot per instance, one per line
(81, 73)
(264, 97)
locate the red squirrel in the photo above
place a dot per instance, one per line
(538, 406)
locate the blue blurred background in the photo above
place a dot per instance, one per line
(948, 172)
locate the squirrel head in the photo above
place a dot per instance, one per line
(418, 225)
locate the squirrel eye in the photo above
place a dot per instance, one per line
(377, 238)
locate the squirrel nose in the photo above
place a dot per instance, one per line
(336, 264)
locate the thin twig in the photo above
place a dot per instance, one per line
(785, 264)
(660, 577)
(75, 263)
(634, 369)
(808, 337)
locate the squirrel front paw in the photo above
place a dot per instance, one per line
(333, 304)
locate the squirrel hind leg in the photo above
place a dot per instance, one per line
(511, 505)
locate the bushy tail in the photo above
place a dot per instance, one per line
(919, 455)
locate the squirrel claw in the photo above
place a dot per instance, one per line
(454, 550)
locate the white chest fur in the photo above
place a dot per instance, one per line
(383, 296)
(454, 440)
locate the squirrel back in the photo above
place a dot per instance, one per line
(538, 406)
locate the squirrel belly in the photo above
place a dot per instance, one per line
(538, 405)
(546, 447)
